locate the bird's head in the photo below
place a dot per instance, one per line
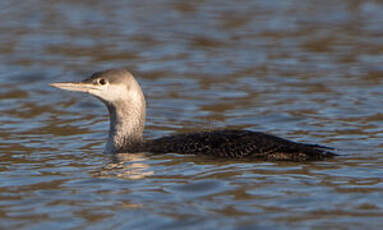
(111, 86)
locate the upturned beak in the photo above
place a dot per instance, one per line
(75, 86)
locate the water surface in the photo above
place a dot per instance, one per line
(305, 70)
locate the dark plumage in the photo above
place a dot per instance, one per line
(238, 144)
(120, 92)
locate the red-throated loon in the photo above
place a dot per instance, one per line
(122, 95)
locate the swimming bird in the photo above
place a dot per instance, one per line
(122, 95)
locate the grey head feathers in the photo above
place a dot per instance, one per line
(126, 105)
(113, 76)
(122, 95)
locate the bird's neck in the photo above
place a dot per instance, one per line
(126, 126)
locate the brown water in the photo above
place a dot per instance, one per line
(309, 71)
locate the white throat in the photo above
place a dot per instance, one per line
(126, 125)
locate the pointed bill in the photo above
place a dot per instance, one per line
(75, 86)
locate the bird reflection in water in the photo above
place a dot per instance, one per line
(127, 165)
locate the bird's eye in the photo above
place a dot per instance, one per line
(102, 81)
